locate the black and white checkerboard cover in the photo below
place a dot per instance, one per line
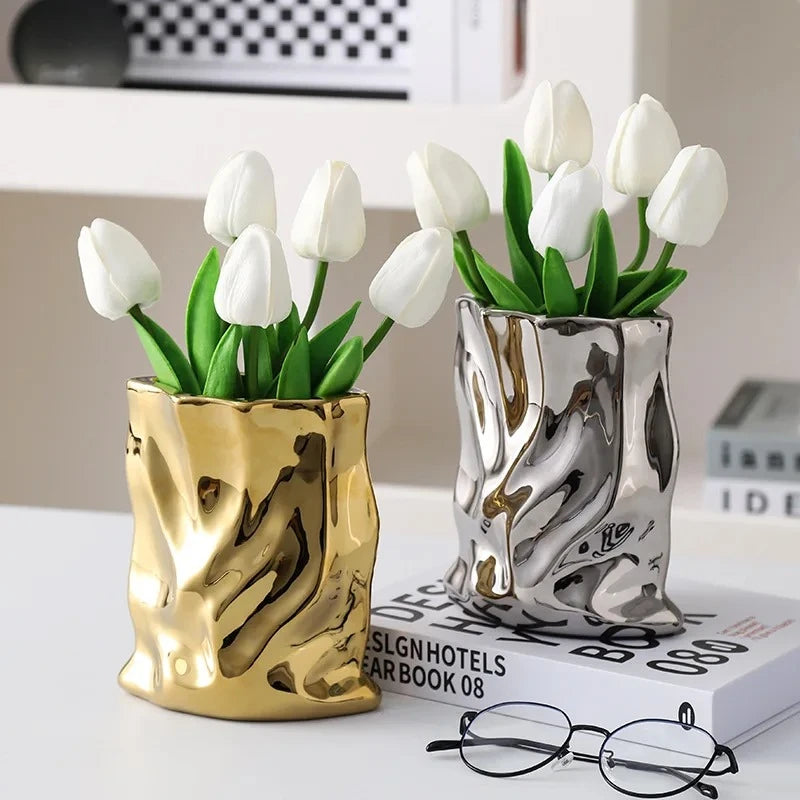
(321, 33)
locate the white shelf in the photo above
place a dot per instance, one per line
(169, 144)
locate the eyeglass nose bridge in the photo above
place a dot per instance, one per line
(591, 729)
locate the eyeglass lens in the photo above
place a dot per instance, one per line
(514, 737)
(656, 757)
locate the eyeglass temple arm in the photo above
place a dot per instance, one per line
(685, 774)
(452, 744)
(523, 744)
(442, 744)
(706, 789)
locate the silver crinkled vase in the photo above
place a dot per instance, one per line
(569, 452)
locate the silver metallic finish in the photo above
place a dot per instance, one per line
(569, 453)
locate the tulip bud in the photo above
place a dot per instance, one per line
(411, 285)
(689, 202)
(241, 194)
(564, 213)
(447, 192)
(117, 271)
(329, 224)
(644, 145)
(253, 287)
(558, 128)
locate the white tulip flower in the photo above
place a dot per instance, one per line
(241, 194)
(558, 128)
(689, 202)
(411, 286)
(118, 272)
(645, 143)
(447, 191)
(253, 287)
(564, 213)
(330, 224)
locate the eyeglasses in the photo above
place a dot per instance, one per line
(645, 758)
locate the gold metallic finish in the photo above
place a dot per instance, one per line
(255, 537)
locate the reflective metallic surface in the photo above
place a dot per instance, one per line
(255, 536)
(569, 454)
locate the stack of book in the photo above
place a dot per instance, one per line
(754, 452)
(732, 671)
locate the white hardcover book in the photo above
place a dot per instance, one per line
(757, 434)
(755, 497)
(733, 671)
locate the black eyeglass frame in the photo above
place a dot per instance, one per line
(706, 789)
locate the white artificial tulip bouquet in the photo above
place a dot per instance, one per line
(245, 302)
(682, 195)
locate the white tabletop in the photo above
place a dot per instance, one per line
(68, 731)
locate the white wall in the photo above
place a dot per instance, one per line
(733, 83)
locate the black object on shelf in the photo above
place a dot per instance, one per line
(70, 42)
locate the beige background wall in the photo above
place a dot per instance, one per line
(734, 80)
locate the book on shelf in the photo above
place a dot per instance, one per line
(754, 497)
(733, 670)
(757, 434)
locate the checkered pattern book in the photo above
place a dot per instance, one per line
(313, 32)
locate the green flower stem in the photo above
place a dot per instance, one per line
(372, 345)
(476, 276)
(644, 238)
(316, 295)
(250, 362)
(274, 349)
(644, 287)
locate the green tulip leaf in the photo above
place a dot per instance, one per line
(630, 280)
(343, 370)
(204, 328)
(326, 342)
(507, 295)
(162, 350)
(294, 380)
(560, 297)
(463, 270)
(602, 274)
(162, 369)
(264, 363)
(287, 331)
(256, 351)
(224, 379)
(526, 263)
(664, 287)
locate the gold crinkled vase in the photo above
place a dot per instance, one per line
(255, 536)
